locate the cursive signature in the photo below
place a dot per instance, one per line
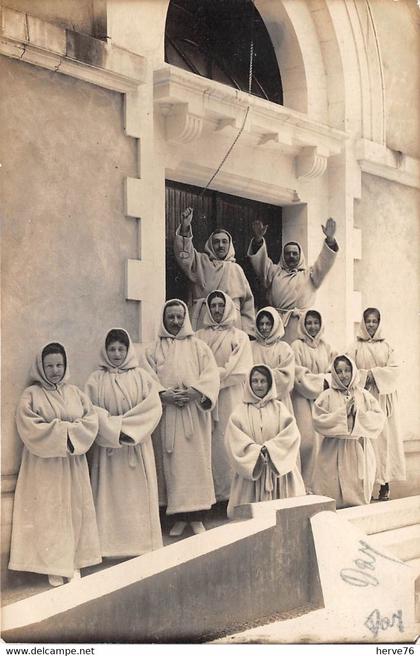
(376, 622)
(364, 573)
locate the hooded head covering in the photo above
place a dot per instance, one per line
(336, 382)
(301, 265)
(303, 334)
(362, 333)
(37, 373)
(186, 329)
(277, 330)
(208, 248)
(229, 315)
(251, 397)
(130, 361)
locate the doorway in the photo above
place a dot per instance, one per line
(214, 210)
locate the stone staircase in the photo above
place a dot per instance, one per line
(394, 526)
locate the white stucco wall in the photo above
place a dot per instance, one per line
(398, 24)
(72, 14)
(65, 239)
(388, 276)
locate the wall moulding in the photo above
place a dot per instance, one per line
(231, 183)
(81, 56)
(383, 162)
(191, 106)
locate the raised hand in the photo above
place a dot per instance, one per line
(186, 217)
(259, 230)
(329, 230)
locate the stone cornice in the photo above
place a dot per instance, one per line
(79, 55)
(191, 172)
(191, 105)
(383, 162)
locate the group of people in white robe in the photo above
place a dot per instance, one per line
(210, 415)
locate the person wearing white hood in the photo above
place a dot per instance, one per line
(313, 357)
(379, 369)
(291, 286)
(214, 269)
(54, 525)
(349, 418)
(123, 472)
(232, 351)
(270, 349)
(262, 440)
(188, 382)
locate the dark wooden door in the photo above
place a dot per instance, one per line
(215, 210)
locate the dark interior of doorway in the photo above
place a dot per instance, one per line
(213, 210)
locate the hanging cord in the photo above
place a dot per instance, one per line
(241, 129)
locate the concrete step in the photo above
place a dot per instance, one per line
(404, 543)
(384, 515)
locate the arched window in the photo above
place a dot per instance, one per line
(212, 38)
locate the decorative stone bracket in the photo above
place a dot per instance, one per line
(191, 106)
(44, 44)
(181, 125)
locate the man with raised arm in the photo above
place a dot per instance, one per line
(214, 269)
(291, 285)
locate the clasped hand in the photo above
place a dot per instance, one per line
(350, 406)
(180, 396)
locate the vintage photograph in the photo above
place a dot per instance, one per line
(210, 424)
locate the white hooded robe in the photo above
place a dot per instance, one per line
(276, 354)
(123, 472)
(346, 463)
(207, 273)
(184, 433)
(313, 357)
(232, 352)
(375, 354)
(255, 423)
(54, 525)
(291, 290)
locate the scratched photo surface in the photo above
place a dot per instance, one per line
(277, 122)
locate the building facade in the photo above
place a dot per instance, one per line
(97, 126)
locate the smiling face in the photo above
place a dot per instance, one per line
(265, 325)
(291, 255)
(259, 384)
(372, 323)
(116, 352)
(220, 242)
(54, 367)
(173, 318)
(217, 308)
(344, 372)
(312, 324)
